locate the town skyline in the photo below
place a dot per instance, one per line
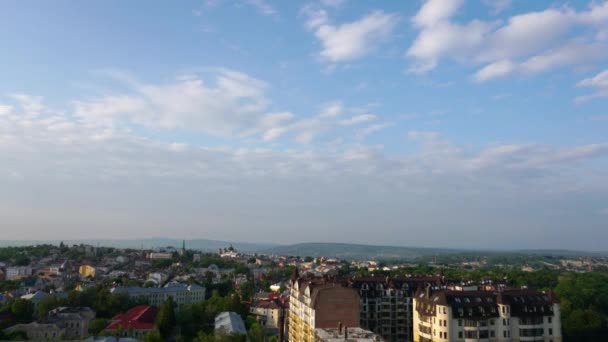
(433, 123)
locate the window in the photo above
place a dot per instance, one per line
(504, 321)
(550, 331)
(459, 322)
(504, 334)
(492, 333)
(460, 334)
(491, 322)
(549, 319)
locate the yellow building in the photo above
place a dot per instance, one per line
(87, 271)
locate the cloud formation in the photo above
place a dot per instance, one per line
(526, 43)
(352, 40)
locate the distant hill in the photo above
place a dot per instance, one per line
(196, 244)
(356, 252)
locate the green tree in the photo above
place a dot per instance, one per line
(165, 320)
(97, 325)
(23, 310)
(47, 304)
(153, 336)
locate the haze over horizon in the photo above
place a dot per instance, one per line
(434, 123)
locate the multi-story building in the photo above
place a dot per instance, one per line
(136, 322)
(160, 256)
(486, 315)
(268, 313)
(320, 303)
(181, 293)
(386, 304)
(18, 272)
(61, 323)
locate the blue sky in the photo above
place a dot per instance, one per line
(434, 122)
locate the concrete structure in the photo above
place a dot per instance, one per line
(181, 293)
(230, 323)
(136, 322)
(18, 272)
(87, 271)
(320, 303)
(488, 315)
(386, 304)
(61, 324)
(160, 256)
(341, 334)
(268, 313)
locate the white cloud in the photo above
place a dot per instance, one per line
(598, 82)
(526, 43)
(332, 109)
(352, 40)
(496, 69)
(235, 105)
(371, 129)
(355, 120)
(436, 11)
(5, 109)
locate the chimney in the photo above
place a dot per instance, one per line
(345, 333)
(339, 327)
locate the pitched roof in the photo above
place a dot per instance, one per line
(140, 317)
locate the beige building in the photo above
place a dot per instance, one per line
(268, 313)
(474, 315)
(320, 303)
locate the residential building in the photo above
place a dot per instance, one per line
(181, 293)
(486, 315)
(345, 334)
(87, 271)
(320, 303)
(268, 313)
(39, 331)
(160, 256)
(136, 322)
(73, 320)
(18, 272)
(230, 323)
(386, 304)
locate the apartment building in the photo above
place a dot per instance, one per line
(181, 293)
(386, 304)
(18, 272)
(320, 303)
(486, 315)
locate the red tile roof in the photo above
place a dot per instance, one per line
(140, 318)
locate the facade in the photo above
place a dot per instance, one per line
(320, 303)
(386, 304)
(136, 322)
(345, 334)
(487, 315)
(181, 293)
(268, 313)
(18, 272)
(160, 256)
(39, 331)
(87, 271)
(74, 321)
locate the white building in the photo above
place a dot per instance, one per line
(160, 256)
(506, 315)
(18, 272)
(181, 293)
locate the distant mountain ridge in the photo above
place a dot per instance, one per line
(356, 251)
(205, 245)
